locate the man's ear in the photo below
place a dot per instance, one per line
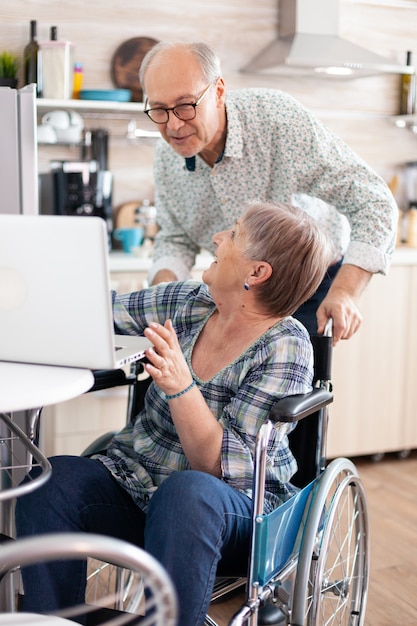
(220, 90)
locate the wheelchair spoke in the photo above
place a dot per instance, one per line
(113, 587)
(335, 587)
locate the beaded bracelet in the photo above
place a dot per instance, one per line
(181, 393)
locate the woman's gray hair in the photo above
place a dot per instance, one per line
(205, 55)
(296, 248)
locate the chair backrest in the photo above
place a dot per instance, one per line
(159, 606)
(309, 438)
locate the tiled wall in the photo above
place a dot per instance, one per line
(358, 110)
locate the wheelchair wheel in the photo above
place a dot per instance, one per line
(331, 583)
(113, 587)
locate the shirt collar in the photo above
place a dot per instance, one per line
(234, 139)
(190, 161)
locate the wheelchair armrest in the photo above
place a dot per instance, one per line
(104, 379)
(295, 408)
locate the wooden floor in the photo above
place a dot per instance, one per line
(391, 487)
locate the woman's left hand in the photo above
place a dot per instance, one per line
(167, 364)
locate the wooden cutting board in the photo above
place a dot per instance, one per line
(126, 63)
(126, 215)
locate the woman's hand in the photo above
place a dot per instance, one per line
(167, 364)
(199, 432)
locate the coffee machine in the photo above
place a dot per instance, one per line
(84, 186)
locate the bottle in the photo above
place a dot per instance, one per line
(408, 90)
(77, 80)
(57, 67)
(146, 216)
(32, 60)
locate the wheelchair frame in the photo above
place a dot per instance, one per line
(309, 559)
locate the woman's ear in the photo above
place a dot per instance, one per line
(260, 273)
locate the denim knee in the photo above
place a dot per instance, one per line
(190, 493)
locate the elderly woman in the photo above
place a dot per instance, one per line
(178, 479)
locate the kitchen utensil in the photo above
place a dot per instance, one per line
(46, 134)
(67, 125)
(114, 95)
(130, 237)
(126, 63)
(125, 215)
(411, 183)
(393, 184)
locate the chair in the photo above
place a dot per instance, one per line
(158, 606)
(309, 561)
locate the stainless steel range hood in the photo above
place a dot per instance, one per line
(308, 44)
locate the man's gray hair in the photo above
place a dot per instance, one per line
(205, 55)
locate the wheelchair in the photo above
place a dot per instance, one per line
(309, 558)
(158, 597)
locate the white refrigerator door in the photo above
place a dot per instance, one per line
(18, 151)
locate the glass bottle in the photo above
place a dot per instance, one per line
(32, 60)
(77, 80)
(408, 90)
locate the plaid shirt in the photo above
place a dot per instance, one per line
(240, 396)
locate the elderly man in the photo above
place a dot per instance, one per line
(258, 144)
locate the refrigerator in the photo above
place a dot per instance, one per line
(18, 195)
(18, 151)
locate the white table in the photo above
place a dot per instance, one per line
(25, 387)
(32, 619)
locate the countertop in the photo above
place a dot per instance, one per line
(122, 262)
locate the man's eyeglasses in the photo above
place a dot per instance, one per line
(184, 112)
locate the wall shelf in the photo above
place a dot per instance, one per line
(106, 109)
(109, 106)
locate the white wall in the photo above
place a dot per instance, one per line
(357, 110)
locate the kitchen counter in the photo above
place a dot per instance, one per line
(122, 262)
(404, 255)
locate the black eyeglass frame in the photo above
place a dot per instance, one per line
(194, 105)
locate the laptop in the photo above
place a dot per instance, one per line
(55, 300)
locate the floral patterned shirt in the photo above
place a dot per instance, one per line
(240, 396)
(275, 150)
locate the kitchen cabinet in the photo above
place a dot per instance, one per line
(374, 373)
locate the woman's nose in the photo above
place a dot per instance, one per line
(217, 237)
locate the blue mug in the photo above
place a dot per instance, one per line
(130, 237)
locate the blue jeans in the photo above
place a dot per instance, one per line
(194, 523)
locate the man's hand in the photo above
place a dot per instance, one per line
(164, 276)
(341, 302)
